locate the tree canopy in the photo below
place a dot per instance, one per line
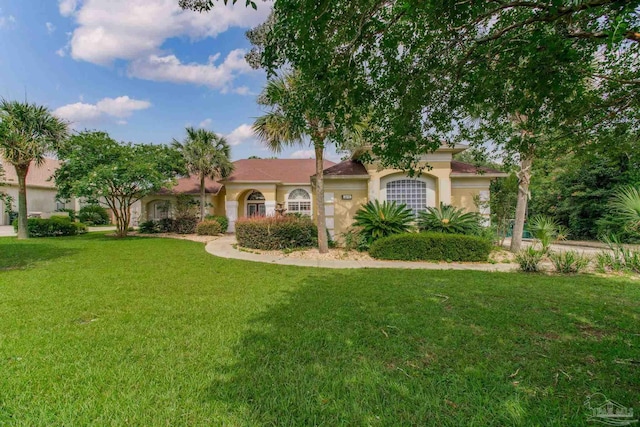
(206, 155)
(99, 169)
(27, 133)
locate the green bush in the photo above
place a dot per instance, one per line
(273, 233)
(353, 239)
(185, 225)
(93, 215)
(431, 247)
(208, 227)
(618, 258)
(569, 262)
(449, 219)
(166, 225)
(71, 212)
(222, 220)
(378, 220)
(529, 259)
(53, 227)
(149, 227)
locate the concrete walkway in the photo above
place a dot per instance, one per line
(223, 247)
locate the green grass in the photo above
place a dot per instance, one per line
(142, 331)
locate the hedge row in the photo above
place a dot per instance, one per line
(220, 219)
(184, 225)
(53, 227)
(274, 233)
(431, 247)
(208, 227)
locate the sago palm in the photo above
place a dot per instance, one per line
(27, 132)
(383, 219)
(448, 219)
(206, 155)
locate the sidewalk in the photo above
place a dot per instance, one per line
(223, 248)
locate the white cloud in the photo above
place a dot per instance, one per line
(205, 123)
(61, 53)
(67, 7)
(169, 69)
(120, 107)
(242, 90)
(303, 154)
(136, 30)
(240, 134)
(50, 27)
(7, 21)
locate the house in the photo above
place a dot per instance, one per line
(259, 186)
(41, 190)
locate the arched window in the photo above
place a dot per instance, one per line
(410, 192)
(256, 196)
(299, 201)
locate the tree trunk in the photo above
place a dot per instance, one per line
(203, 197)
(323, 245)
(23, 231)
(524, 179)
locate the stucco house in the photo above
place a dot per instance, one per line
(260, 186)
(41, 190)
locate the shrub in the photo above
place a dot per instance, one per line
(208, 227)
(53, 227)
(93, 215)
(71, 212)
(431, 247)
(165, 225)
(222, 220)
(378, 220)
(569, 262)
(618, 258)
(449, 219)
(354, 240)
(529, 259)
(271, 233)
(149, 227)
(185, 225)
(546, 230)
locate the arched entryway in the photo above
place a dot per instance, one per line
(254, 204)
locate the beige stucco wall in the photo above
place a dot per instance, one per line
(464, 190)
(340, 212)
(39, 200)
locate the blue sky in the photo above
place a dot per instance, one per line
(141, 70)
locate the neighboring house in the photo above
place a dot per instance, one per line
(41, 190)
(260, 186)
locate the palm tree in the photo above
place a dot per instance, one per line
(626, 202)
(285, 125)
(27, 132)
(206, 155)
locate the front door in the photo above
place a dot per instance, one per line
(256, 209)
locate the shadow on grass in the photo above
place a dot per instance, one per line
(16, 255)
(374, 348)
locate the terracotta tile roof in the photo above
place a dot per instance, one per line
(191, 185)
(38, 176)
(280, 170)
(347, 168)
(467, 168)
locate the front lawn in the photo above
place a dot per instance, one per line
(145, 331)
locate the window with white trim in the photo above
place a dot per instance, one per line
(410, 192)
(299, 201)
